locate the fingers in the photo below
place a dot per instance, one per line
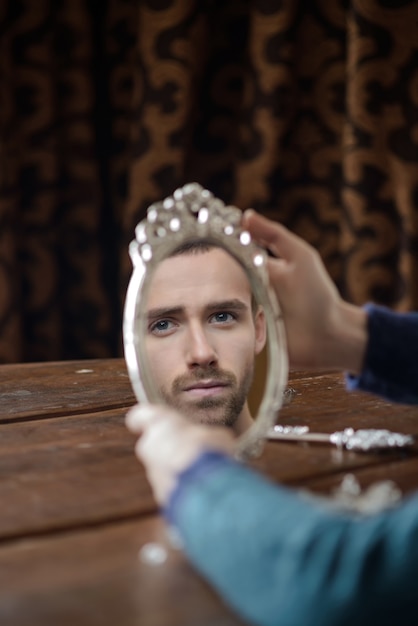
(156, 441)
(140, 417)
(280, 241)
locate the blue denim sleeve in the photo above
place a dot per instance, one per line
(390, 368)
(279, 559)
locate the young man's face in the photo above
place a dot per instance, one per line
(202, 335)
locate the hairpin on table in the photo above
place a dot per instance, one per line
(364, 440)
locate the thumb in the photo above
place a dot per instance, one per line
(276, 237)
(141, 417)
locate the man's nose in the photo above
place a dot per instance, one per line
(200, 350)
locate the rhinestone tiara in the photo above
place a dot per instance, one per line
(192, 213)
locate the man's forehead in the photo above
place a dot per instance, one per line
(213, 274)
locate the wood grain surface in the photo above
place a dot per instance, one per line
(78, 514)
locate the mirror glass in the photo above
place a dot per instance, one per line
(202, 329)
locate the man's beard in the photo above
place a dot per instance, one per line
(228, 407)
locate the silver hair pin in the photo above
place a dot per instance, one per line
(364, 440)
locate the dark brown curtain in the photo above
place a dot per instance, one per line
(305, 110)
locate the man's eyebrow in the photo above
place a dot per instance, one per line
(153, 314)
(234, 305)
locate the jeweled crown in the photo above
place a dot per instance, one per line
(192, 212)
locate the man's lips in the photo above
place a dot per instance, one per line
(205, 387)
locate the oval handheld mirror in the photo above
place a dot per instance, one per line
(192, 214)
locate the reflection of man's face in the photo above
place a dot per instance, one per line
(202, 336)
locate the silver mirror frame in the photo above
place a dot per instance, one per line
(193, 213)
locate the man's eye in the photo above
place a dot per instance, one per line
(161, 327)
(223, 318)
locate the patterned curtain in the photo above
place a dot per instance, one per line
(305, 110)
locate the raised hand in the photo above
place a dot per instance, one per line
(323, 331)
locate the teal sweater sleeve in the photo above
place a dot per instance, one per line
(279, 559)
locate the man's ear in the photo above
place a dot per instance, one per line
(260, 330)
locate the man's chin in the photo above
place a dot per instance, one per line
(221, 410)
(214, 419)
(209, 411)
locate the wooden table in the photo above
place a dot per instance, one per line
(77, 510)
